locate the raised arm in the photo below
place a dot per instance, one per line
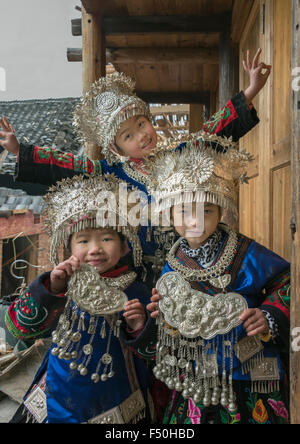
(44, 165)
(239, 116)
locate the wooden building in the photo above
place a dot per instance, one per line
(191, 52)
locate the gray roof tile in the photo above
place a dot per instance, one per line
(42, 122)
(18, 200)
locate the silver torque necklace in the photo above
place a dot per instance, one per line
(134, 173)
(212, 274)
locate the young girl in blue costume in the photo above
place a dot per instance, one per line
(89, 374)
(111, 116)
(222, 302)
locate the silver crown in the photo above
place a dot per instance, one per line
(76, 204)
(109, 102)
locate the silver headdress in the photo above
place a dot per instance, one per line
(79, 203)
(209, 169)
(108, 103)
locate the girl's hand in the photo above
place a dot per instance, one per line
(153, 306)
(258, 73)
(134, 314)
(9, 141)
(254, 322)
(60, 275)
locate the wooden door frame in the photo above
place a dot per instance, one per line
(295, 226)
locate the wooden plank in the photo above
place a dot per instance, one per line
(265, 131)
(175, 97)
(93, 49)
(76, 27)
(154, 55)
(228, 68)
(280, 124)
(76, 24)
(157, 7)
(165, 55)
(21, 211)
(163, 39)
(281, 209)
(281, 117)
(171, 109)
(240, 14)
(91, 6)
(252, 213)
(248, 195)
(295, 223)
(196, 118)
(93, 62)
(165, 23)
(75, 55)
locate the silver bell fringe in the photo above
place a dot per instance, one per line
(265, 376)
(68, 340)
(91, 314)
(190, 366)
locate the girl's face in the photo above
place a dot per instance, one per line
(193, 228)
(136, 137)
(99, 247)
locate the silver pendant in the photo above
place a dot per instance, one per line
(194, 313)
(93, 295)
(221, 281)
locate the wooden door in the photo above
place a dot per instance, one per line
(265, 203)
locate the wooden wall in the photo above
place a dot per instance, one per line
(265, 204)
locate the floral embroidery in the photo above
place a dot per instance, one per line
(194, 412)
(83, 164)
(173, 420)
(26, 319)
(221, 119)
(53, 157)
(279, 408)
(229, 418)
(258, 410)
(259, 413)
(280, 299)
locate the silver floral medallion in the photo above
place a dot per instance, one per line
(107, 102)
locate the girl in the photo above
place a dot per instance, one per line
(89, 374)
(222, 302)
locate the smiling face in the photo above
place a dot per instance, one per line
(190, 228)
(136, 137)
(99, 247)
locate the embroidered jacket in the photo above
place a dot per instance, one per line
(261, 277)
(71, 397)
